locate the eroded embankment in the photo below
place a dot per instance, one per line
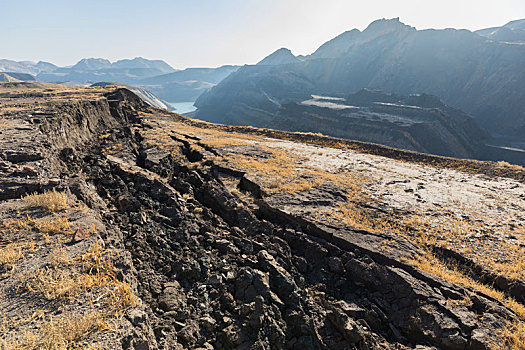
(215, 270)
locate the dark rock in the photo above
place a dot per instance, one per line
(78, 236)
(351, 331)
(480, 340)
(172, 297)
(19, 156)
(335, 265)
(141, 345)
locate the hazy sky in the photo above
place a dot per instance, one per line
(190, 33)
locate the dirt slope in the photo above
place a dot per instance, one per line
(164, 233)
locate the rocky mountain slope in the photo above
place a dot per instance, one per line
(420, 123)
(126, 226)
(467, 71)
(144, 94)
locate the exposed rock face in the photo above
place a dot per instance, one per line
(461, 67)
(420, 123)
(214, 272)
(146, 95)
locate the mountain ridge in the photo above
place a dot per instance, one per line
(480, 76)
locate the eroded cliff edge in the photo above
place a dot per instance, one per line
(210, 259)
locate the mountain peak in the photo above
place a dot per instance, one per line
(280, 56)
(141, 62)
(92, 63)
(384, 25)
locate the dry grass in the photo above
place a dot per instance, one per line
(14, 224)
(91, 272)
(512, 337)
(431, 264)
(502, 165)
(57, 224)
(49, 200)
(61, 283)
(9, 254)
(448, 231)
(59, 333)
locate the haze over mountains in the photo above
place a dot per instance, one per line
(479, 75)
(155, 75)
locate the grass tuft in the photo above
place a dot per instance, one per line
(59, 333)
(49, 200)
(57, 224)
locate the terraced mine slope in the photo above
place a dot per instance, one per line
(126, 226)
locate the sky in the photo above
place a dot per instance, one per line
(211, 33)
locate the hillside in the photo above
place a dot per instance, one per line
(187, 84)
(419, 123)
(482, 77)
(126, 226)
(12, 77)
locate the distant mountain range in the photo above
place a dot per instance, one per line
(481, 73)
(99, 69)
(151, 76)
(26, 67)
(470, 71)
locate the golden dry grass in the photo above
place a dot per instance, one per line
(88, 276)
(59, 333)
(429, 263)
(512, 337)
(49, 200)
(14, 224)
(9, 255)
(61, 283)
(92, 271)
(56, 224)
